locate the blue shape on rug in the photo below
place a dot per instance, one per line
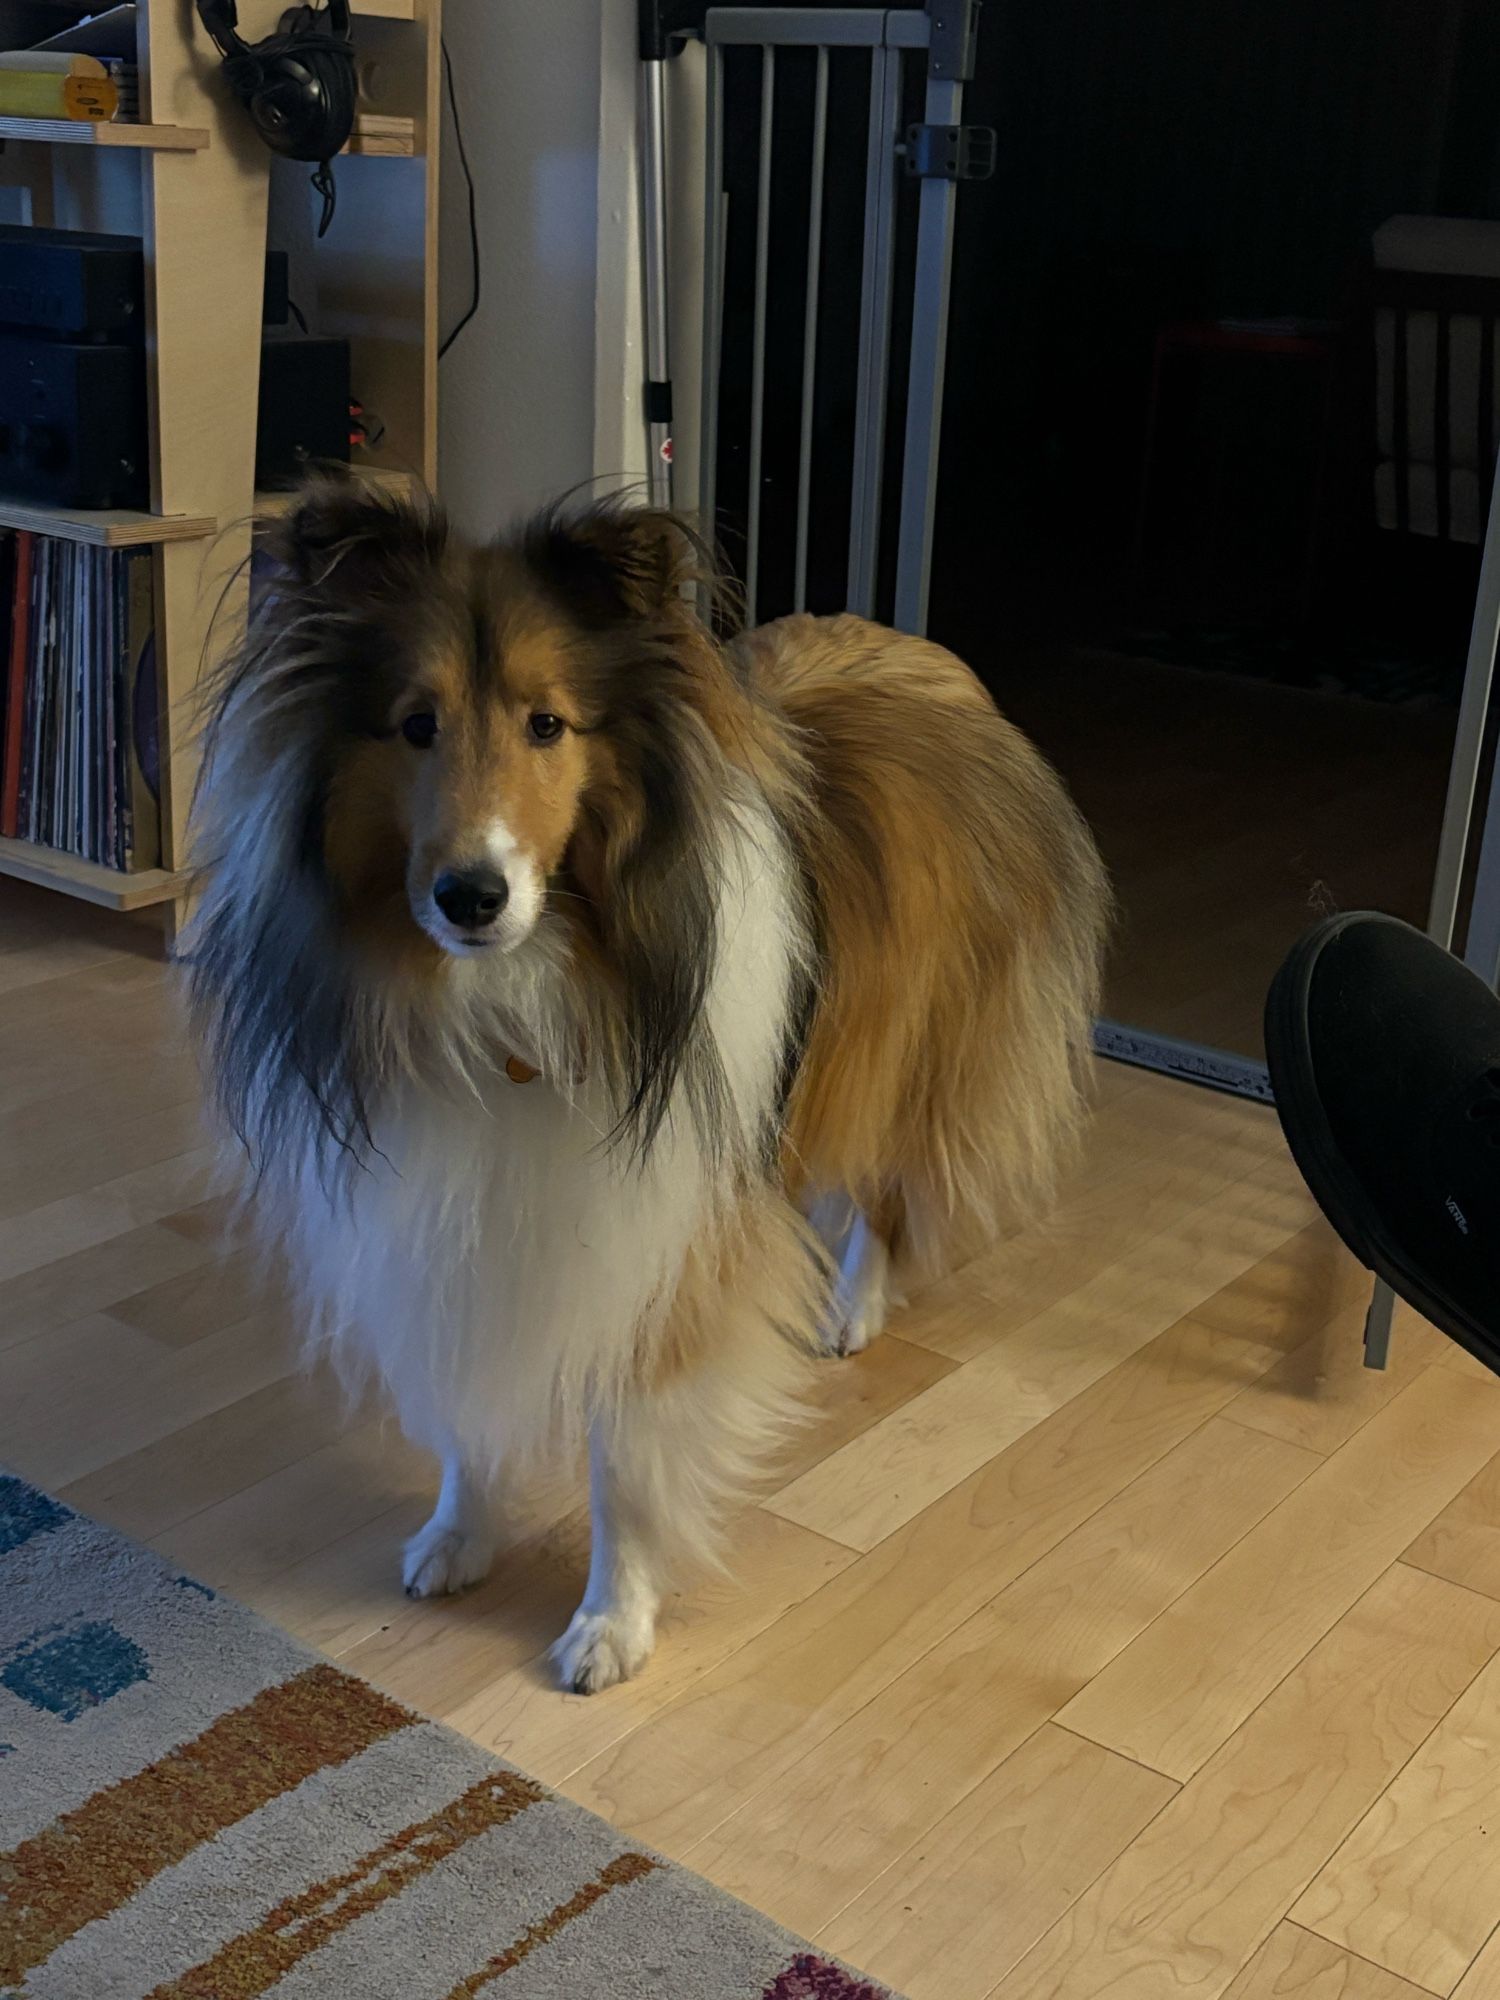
(24, 1512)
(188, 1583)
(68, 1675)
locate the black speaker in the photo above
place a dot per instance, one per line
(304, 408)
(276, 305)
(73, 422)
(71, 283)
(83, 286)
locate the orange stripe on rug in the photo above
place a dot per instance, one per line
(253, 1962)
(95, 1858)
(624, 1868)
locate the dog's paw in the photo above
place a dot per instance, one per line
(600, 1649)
(862, 1299)
(855, 1323)
(851, 1331)
(439, 1560)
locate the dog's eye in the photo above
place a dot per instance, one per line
(544, 728)
(420, 729)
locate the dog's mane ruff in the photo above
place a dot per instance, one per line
(295, 1042)
(706, 762)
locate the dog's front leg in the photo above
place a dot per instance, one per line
(456, 1547)
(613, 1629)
(862, 1273)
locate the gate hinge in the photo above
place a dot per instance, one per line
(950, 152)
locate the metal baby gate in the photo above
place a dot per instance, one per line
(834, 146)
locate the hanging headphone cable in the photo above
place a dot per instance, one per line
(463, 160)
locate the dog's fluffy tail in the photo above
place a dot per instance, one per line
(962, 907)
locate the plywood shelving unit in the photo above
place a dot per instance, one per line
(67, 132)
(86, 879)
(104, 527)
(195, 182)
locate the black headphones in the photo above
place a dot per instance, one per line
(299, 86)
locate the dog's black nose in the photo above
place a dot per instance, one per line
(471, 899)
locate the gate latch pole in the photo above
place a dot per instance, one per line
(937, 152)
(955, 39)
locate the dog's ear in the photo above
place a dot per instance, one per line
(346, 536)
(612, 562)
(644, 856)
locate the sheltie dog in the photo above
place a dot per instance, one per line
(560, 967)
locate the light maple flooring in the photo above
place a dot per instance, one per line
(1113, 1634)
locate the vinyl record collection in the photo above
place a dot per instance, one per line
(78, 700)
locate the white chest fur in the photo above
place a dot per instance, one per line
(499, 1263)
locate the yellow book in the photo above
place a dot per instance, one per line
(42, 83)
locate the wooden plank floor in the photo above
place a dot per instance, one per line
(1113, 1633)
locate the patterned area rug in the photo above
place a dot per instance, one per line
(194, 1807)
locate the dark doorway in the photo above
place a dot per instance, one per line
(1218, 440)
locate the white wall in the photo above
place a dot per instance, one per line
(517, 390)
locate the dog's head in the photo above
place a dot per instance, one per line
(479, 722)
(426, 753)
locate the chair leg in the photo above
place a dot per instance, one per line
(1378, 1325)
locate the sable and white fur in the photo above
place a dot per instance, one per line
(793, 924)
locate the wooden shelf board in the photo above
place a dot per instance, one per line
(113, 528)
(392, 137)
(385, 477)
(86, 132)
(387, 10)
(95, 884)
